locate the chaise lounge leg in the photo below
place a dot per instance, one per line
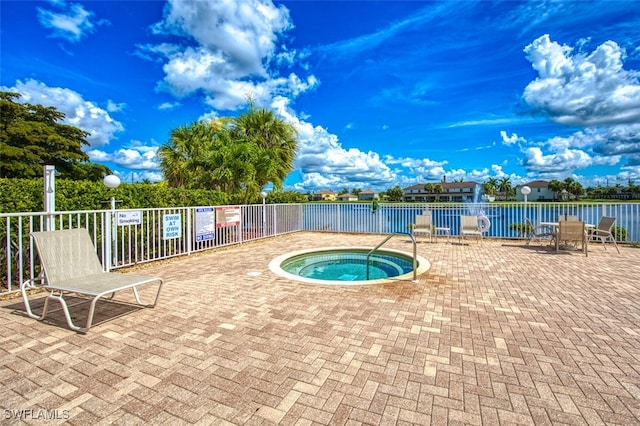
(67, 314)
(137, 296)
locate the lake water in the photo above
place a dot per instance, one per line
(396, 218)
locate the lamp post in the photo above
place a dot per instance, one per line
(111, 182)
(264, 216)
(525, 191)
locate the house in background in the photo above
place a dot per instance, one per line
(539, 191)
(325, 195)
(347, 197)
(368, 195)
(457, 192)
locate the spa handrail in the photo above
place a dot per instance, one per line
(415, 250)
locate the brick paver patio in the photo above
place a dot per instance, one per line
(498, 333)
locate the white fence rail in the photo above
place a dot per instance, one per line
(389, 218)
(140, 235)
(129, 237)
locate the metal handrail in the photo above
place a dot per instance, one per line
(415, 251)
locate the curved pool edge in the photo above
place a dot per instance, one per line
(275, 266)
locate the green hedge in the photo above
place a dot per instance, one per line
(27, 195)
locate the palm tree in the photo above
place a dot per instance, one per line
(176, 156)
(490, 187)
(505, 187)
(237, 156)
(428, 188)
(438, 189)
(275, 144)
(201, 156)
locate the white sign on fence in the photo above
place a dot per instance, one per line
(228, 216)
(205, 223)
(129, 218)
(172, 226)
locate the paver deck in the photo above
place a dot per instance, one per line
(497, 334)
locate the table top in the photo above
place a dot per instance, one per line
(556, 224)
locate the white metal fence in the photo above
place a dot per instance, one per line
(128, 237)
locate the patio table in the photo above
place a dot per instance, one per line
(555, 226)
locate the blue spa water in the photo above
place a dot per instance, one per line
(341, 265)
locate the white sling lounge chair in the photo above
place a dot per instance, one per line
(70, 265)
(469, 226)
(603, 232)
(423, 225)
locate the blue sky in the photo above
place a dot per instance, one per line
(381, 93)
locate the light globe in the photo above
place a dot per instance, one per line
(111, 181)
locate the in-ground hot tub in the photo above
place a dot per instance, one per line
(347, 266)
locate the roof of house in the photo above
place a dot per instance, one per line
(537, 184)
(445, 185)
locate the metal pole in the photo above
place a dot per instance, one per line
(112, 182)
(50, 196)
(264, 218)
(264, 213)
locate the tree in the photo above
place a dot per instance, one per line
(505, 187)
(204, 155)
(568, 183)
(576, 189)
(438, 189)
(32, 136)
(239, 156)
(490, 187)
(395, 194)
(428, 188)
(182, 157)
(556, 186)
(274, 141)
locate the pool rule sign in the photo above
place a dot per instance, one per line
(205, 226)
(227, 216)
(172, 226)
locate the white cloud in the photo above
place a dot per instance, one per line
(582, 89)
(235, 44)
(592, 146)
(85, 115)
(562, 161)
(619, 140)
(98, 156)
(488, 122)
(414, 163)
(510, 140)
(324, 163)
(72, 23)
(149, 175)
(242, 32)
(135, 157)
(168, 106)
(114, 106)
